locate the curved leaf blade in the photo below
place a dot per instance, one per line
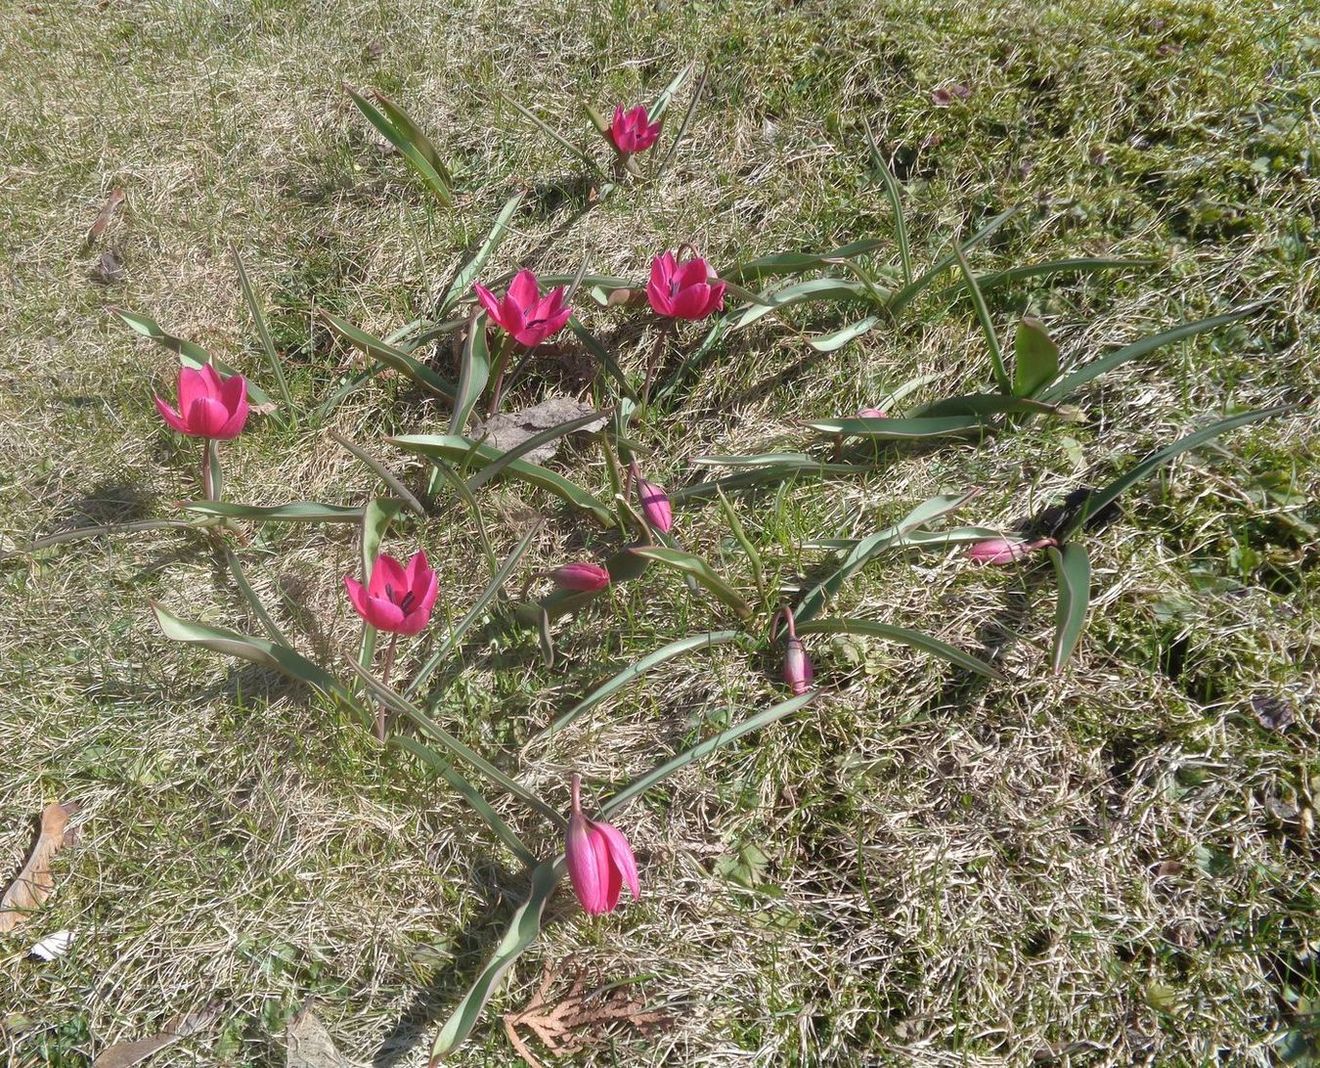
(914, 429)
(473, 375)
(705, 575)
(401, 137)
(1072, 567)
(914, 638)
(462, 283)
(263, 331)
(836, 340)
(293, 512)
(1035, 358)
(391, 356)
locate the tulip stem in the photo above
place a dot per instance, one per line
(382, 713)
(210, 469)
(501, 362)
(577, 793)
(667, 327)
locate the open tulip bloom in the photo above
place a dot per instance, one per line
(684, 289)
(524, 314)
(396, 599)
(600, 860)
(632, 131)
(209, 406)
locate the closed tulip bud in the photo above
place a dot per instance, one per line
(395, 598)
(632, 131)
(684, 289)
(209, 406)
(654, 501)
(524, 314)
(581, 578)
(600, 860)
(1001, 551)
(798, 671)
(872, 413)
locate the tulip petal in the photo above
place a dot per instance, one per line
(523, 291)
(236, 421)
(692, 302)
(583, 869)
(192, 386)
(622, 855)
(173, 418)
(692, 271)
(206, 417)
(716, 297)
(387, 571)
(384, 614)
(211, 377)
(357, 595)
(610, 876)
(490, 302)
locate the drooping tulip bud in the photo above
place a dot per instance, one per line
(872, 413)
(580, 577)
(632, 131)
(798, 671)
(396, 599)
(654, 502)
(600, 860)
(209, 406)
(1001, 551)
(684, 289)
(524, 314)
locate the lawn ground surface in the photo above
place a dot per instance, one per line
(1110, 866)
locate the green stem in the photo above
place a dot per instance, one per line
(382, 714)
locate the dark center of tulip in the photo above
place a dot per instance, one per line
(406, 604)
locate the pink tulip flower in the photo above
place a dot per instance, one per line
(600, 860)
(798, 671)
(524, 314)
(684, 289)
(632, 131)
(581, 577)
(1001, 551)
(396, 599)
(209, 406)
(656, 509)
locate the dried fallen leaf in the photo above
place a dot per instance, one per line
(52, 946)
(108, 268)
(127, 1054)
(309, 1044)
(578, 1019)
(35, 882)
(1272, 712)
(112, 204)
(508, 429)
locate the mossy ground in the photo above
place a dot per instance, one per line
(1108, 867)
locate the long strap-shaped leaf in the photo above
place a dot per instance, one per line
(910, 292)
(1069, 384)
(473, 375)
(525, 925)
(814, 599)
(901, 429)
(469, 272)
(915, 638)
(987, 323)
(255, 650)
(531, 444)
(1102, 499)
(698, 569)
(1072, 567)
(420, 154)
(471, 795)
(634, 671)
(293, 512)
(263, 331)
(454, 448)
(391, 356)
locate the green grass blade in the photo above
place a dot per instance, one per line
(478, 609)
(473, 375)
(683, 128)
(554, 135)
(470, 794)
(531, 444)
(912, 290)
(1035, 358)
(1070, 383)
(1076, 265)
(392, 357)
(263, 331)
(740, 536)
(454, 448)
(1072, 567)
(1103, 498)
(899, 429)
(443, 472)
(915, 638)
(259, 651)
(896, 202)
(811, 602)
(400, 138)
(698, 569)
(461, 286)
(635, 671)
(661, 103)
(726, 737)
(293, 512)
(987, 324)
(830, 290)
(524, 927)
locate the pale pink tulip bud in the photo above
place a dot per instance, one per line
(798, 671)
(654, 501)
(581, 577)
(872, 413)
(600, 860)
(1001, 551)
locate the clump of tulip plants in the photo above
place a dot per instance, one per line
(499, 323)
